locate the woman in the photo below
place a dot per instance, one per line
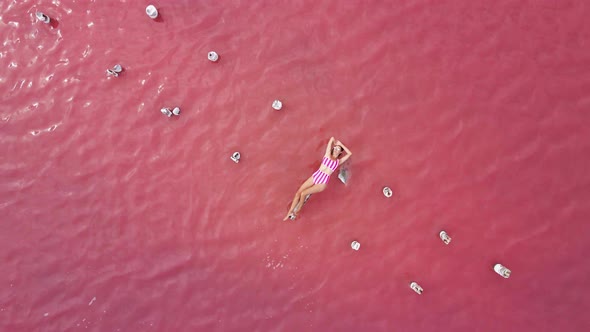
(318, 181)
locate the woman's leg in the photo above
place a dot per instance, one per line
(316, 188)
(307, 184)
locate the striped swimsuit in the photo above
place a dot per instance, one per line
(320, 177)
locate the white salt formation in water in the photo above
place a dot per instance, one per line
(387, 192)
(502, 270)
(166, 111)
(414, 285)
(277, 105)
(343, 175)
(42, 17)
(355, 245)
(151, 11)
(212, 56)
(115, 71)
(445, 237)
(235, 157)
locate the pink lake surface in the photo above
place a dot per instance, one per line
(117, 218)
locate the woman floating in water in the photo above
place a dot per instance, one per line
(318, 181)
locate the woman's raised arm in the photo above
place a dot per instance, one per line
(343, 146)
(348, 152)
(329, 147)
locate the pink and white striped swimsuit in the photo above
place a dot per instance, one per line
(320, 177)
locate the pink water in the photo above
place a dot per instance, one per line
(116, 218)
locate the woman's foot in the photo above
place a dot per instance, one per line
(291, 216)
